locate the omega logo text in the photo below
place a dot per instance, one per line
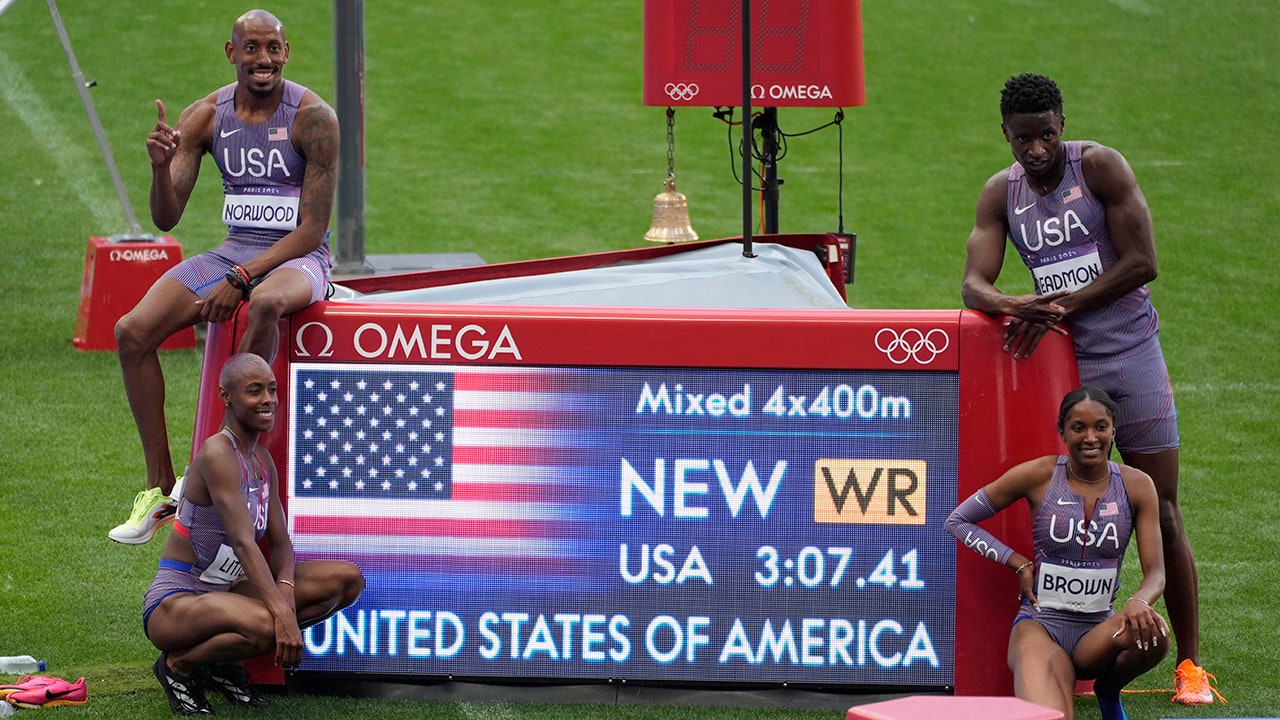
(139, 255)
(435, 342)
(791, 92)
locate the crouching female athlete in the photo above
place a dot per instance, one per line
(1084, 509)
(216, 599)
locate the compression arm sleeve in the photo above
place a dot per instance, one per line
(963, 524)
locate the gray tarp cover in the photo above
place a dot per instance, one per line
(713, 277)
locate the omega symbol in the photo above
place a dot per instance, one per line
(304, 350)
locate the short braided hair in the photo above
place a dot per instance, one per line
(1030, 93)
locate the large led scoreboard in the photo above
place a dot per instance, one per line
(805, 53)
(653, 495)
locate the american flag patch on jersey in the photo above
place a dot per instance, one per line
(282, 133)
(1073, 194)
(1108, 510)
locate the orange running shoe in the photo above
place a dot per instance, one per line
(1191, 685)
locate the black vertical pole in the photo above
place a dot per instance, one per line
(769, 148)
(746, 130)
(348, 65)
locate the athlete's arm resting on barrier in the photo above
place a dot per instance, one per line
(963, 524)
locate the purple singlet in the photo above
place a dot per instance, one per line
(216, 561)
(1064, 240)
(261, 171)
(1079, 549)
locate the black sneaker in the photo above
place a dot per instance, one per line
(186, 697)
(234, 684)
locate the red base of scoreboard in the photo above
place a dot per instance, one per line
(1005, 409)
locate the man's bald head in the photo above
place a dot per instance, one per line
(260, 20)
(240, 366)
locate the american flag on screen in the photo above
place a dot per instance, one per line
(418, 468)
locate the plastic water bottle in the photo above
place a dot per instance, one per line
(20, 665)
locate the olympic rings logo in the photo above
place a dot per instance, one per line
(681, 91)
(912, 344)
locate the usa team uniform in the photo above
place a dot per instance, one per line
(1078, 554)
(216, 567)
(1064, 241)
(262, 185)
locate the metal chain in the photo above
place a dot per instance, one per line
(671, 142)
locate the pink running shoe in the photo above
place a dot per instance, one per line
(55, 694)
(26, 682)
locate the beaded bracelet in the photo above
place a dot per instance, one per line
(1023, 566)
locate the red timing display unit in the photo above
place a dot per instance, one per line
(116, 276)
(805, 53)
(717, 497)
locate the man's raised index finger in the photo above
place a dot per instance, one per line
(160, 111)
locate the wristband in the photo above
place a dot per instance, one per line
(240, 279)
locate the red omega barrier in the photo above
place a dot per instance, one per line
(116, 276)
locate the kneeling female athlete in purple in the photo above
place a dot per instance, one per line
(216, 599)
(1084, 509)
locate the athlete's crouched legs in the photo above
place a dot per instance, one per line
(324, 587)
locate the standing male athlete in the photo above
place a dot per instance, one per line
(276, 145)
(1075, 214)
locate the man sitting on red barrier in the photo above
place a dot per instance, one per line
(276, 144)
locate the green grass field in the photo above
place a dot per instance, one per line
(516, 131)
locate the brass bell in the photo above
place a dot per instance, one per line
(670, 217)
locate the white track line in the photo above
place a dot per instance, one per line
(72, 160)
